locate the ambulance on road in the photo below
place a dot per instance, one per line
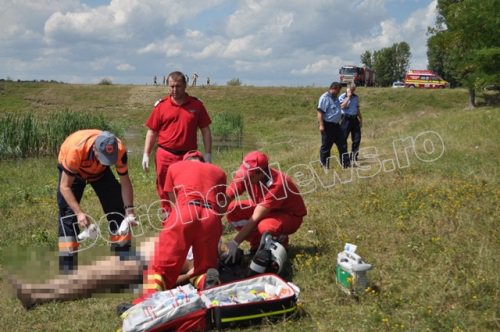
(424, 79)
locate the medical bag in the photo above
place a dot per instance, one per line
(246, 301)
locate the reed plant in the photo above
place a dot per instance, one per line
(19, 135)
(26, 135)
(227, 128)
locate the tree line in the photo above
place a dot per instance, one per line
(390, 64)
(463, 47)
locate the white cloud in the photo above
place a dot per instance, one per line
(174, 50)
(170, 46)
(238, 47)
(318, 67)
(387, 34)
(245, 47)
(412, 30)
(213, 49)
(122, 19)
(268, 41)
(101, 24)
(416, 28)
(150, 48)
(243, 66)
(271, 17)
(125, 67)
(194, 34)
(19, 19)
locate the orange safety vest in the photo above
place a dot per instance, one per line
(78, 158)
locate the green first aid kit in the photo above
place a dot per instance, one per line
(350, 272)
(344, 278)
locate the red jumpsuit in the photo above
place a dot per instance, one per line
(176, 126)
(195, 221)
(279, 194)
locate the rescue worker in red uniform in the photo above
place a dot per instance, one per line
(195, 187)
(275, 204)
(173, 123)
(86, 156)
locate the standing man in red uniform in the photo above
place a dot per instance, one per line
(275, 204)
(86, 156)
(173, 123)
(196, 188)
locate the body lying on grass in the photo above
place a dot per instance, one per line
(107, 274)
(101, 276)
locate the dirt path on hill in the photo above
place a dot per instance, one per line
(140, 102)
(145, 96)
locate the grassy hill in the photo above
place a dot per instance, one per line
(422, 207)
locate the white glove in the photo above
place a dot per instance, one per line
(126, 223)
(232, 248)
(208, 157)
(189, 255)
(89, 233)
(145, 162)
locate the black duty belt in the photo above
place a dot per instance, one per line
(202, 204)
(350, 116)
(176, 152)
(333, 123)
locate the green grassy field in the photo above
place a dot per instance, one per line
(422, 207)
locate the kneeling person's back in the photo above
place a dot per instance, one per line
(195, 180)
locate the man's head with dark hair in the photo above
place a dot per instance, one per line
(176, 82)
(335, 88)
(177, 76)
(335, 85)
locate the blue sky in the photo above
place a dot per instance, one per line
(260, 42)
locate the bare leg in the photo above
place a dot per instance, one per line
(98, 277)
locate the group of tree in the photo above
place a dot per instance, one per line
(390, 64)
(464, 45)
(10, 80)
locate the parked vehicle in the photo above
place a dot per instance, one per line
(361, 76)
(424, 79)
(398, 84)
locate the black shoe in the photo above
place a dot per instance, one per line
(122, 307)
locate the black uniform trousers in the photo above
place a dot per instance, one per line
(108, 190)
(350, 126)
(333, 133)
